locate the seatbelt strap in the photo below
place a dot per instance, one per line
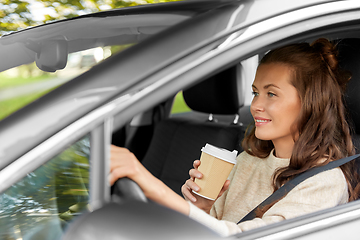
(287, 187)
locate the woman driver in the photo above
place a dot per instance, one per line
(300, 123)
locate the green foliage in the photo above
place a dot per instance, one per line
(11, 105)
(55, 192)
(6, 82)
(16, 14)
(179, 105)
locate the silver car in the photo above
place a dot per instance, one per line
(112, 77)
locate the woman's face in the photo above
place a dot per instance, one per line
(276, 103)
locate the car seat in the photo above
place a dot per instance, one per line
(176, 143)
(349, 59)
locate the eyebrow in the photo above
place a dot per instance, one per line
(267, 86)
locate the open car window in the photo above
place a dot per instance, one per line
(40, 205)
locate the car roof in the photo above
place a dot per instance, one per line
(79, 34)
(97, 29)
(214, 20)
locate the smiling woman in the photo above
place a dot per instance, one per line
(320, 83)
(275, 107)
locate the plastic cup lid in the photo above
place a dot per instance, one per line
(221, 153)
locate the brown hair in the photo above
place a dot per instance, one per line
(323, 130)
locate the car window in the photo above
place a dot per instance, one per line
(44, 57)
(179, 105)
(42, 204)
(22, 85)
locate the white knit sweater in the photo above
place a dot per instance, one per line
(251, 183)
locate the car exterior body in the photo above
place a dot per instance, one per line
(172, 46)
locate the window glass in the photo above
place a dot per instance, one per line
(179, 105)
(41, 205)
(22, 85)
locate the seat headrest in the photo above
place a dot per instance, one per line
(349, 59)
(219, 94)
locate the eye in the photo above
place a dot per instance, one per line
(270, 94)
(255, 94)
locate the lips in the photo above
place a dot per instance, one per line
(259, 121)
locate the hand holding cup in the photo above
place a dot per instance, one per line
(190, 186)
(216, 165)
(212, 184)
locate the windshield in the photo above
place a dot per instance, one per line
(42, 58)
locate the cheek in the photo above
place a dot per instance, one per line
(285, 113)
(292, 112)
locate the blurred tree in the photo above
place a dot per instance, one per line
(16, 14)
(56, 190)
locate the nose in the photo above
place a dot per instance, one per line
(257, 105)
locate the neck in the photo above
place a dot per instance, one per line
(283, 149)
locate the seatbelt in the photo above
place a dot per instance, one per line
(287, 187)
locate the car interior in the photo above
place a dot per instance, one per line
(173, 141)
(176, 140)
(167, 144)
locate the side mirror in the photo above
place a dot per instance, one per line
(52, 55)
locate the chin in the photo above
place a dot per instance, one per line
(264, 137)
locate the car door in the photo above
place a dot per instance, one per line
(335, 20)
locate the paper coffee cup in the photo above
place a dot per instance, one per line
(216, 165)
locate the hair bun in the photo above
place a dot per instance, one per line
(327, 51)
(329, 54)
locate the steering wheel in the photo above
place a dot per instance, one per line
(126, 189)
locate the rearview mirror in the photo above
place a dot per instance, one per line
(52, 55)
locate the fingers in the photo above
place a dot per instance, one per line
(194, 173)
(120, 156)
(190, 185)
(123, 163)
(196, 164)
(117, 154)
(187, 189)
(200, 202)
(224, 188)
(116, 174)
(187, 194)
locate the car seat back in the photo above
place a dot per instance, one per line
(349, 59)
